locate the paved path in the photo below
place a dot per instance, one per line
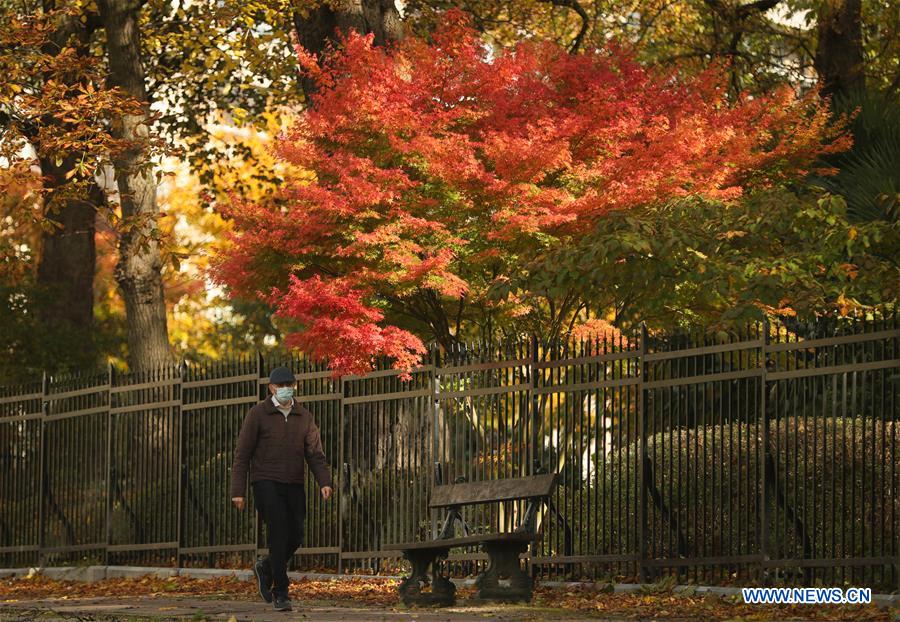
(159, 609)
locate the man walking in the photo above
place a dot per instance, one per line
(276, 438)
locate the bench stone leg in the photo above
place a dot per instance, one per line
(504, 562)
(443, 591)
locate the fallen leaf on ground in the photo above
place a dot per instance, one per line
(382, 593)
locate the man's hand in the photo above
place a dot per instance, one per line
(238, 502)
(326, 492)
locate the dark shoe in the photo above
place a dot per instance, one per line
(282, 603)
(263, 580)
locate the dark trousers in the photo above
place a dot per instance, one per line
(283, 509)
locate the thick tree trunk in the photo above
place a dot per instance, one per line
(318, 29)
(839, 60)
(68, 256)
(67, 259)
(139, 269)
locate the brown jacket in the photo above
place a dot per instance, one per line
(273, 448)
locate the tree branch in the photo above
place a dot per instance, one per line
(582, 305)
(585, 20)
(29, 128)
(744, 10)
(122, 7)
(647, 25)
(760, 6)
(459, 310)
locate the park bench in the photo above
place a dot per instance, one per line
(503, 549)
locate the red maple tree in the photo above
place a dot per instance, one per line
(439, 165)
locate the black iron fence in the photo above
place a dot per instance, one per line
(768, 454)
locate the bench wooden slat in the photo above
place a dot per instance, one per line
(509, 489)
(450, 543)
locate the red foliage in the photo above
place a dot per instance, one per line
(439, 163)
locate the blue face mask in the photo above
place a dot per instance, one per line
(284, 394)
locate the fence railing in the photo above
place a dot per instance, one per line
(759, 455)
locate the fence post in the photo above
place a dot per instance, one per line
(109, 470)
(532, 421)
(180, 466)
(531, 435)
(764, 423)
(435, 418)
(642, 454)
(341, 475)
(42, 472)
(260, 366)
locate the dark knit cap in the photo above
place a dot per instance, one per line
(281, 375)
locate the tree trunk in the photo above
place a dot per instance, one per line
(139, 269)
(839, 54)
(67, 259)
(318, 29)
